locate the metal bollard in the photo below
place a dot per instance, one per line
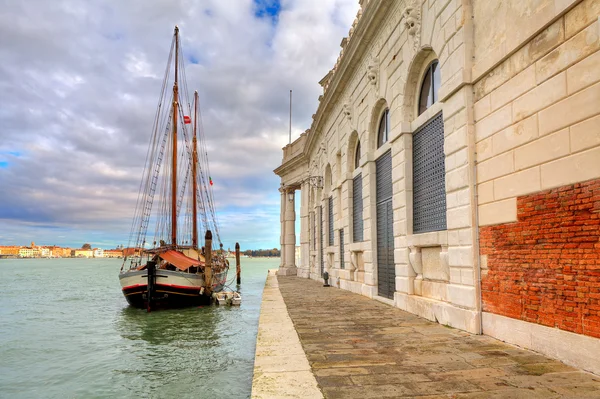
(326, 279)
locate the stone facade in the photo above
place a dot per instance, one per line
(519, 96)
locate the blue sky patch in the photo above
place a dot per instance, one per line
(3, 164)
(15, 154)
(193, 59)
(267, 9)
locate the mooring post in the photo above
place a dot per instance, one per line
(151, 270)
(238, 267)
(208, 263)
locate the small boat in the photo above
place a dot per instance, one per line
(232, 298)
(175, 198)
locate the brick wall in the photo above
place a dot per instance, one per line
(545, 268)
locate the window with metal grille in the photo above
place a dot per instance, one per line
(357, 209)
(429, 175)
(330, 220)
(314, 229)
(342, 249)
(321, 239)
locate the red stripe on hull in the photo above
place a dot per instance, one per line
(183, 287)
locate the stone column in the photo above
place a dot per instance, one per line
(304, 267)
(282, 223)
(289, 267)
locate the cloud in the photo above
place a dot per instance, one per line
(80, 82)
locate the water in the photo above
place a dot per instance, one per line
(66, 331)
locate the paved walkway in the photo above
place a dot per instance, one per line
(361, 348)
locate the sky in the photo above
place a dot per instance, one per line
(79, 84)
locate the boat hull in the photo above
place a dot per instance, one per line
(172, 289)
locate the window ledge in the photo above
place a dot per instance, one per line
(357, 246)
(426, 116)
(431, 239)
(385, 147)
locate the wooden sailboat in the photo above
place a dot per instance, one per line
(175, 270)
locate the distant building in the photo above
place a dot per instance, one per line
(131, 252)
(83, 253)
(298, 255)
(9, 250)
(113, 253)
(98, 253)
(28, 252)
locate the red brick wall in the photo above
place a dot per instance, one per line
(545, 268)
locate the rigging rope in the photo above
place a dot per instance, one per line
(153, 204)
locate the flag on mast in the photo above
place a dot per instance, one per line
(187, 120)
(210, 180)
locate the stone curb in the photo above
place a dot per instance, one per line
(281, 369)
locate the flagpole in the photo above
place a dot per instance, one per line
(290, 116)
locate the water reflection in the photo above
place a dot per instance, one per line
(164, 350)
(169, 326)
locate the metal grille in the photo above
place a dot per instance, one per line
(314, 223)
(341, 248)
(429, 175)
(330, 221)
(321, 240)
(357, 209)
(384, 177)
(386, 273)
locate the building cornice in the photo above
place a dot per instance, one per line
(353, 51)
(290, 164)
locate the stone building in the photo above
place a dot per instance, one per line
(452, 169)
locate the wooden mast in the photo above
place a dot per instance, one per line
(174, 165)
(194, 176)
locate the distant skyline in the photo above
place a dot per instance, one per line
(78, 246)
(80, 82)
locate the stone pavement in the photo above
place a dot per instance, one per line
(361, 348)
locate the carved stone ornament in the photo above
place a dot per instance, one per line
(412, 21)
(347, 109)
(415, 260)
(373, 71)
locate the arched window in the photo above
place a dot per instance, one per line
(357, 156)
(384, 128)
(430, 87)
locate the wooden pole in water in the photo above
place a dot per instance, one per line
(238, 267)
(208, 263)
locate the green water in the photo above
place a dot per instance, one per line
(66, 331)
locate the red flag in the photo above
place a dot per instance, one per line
(187, 120)
(210, 180)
